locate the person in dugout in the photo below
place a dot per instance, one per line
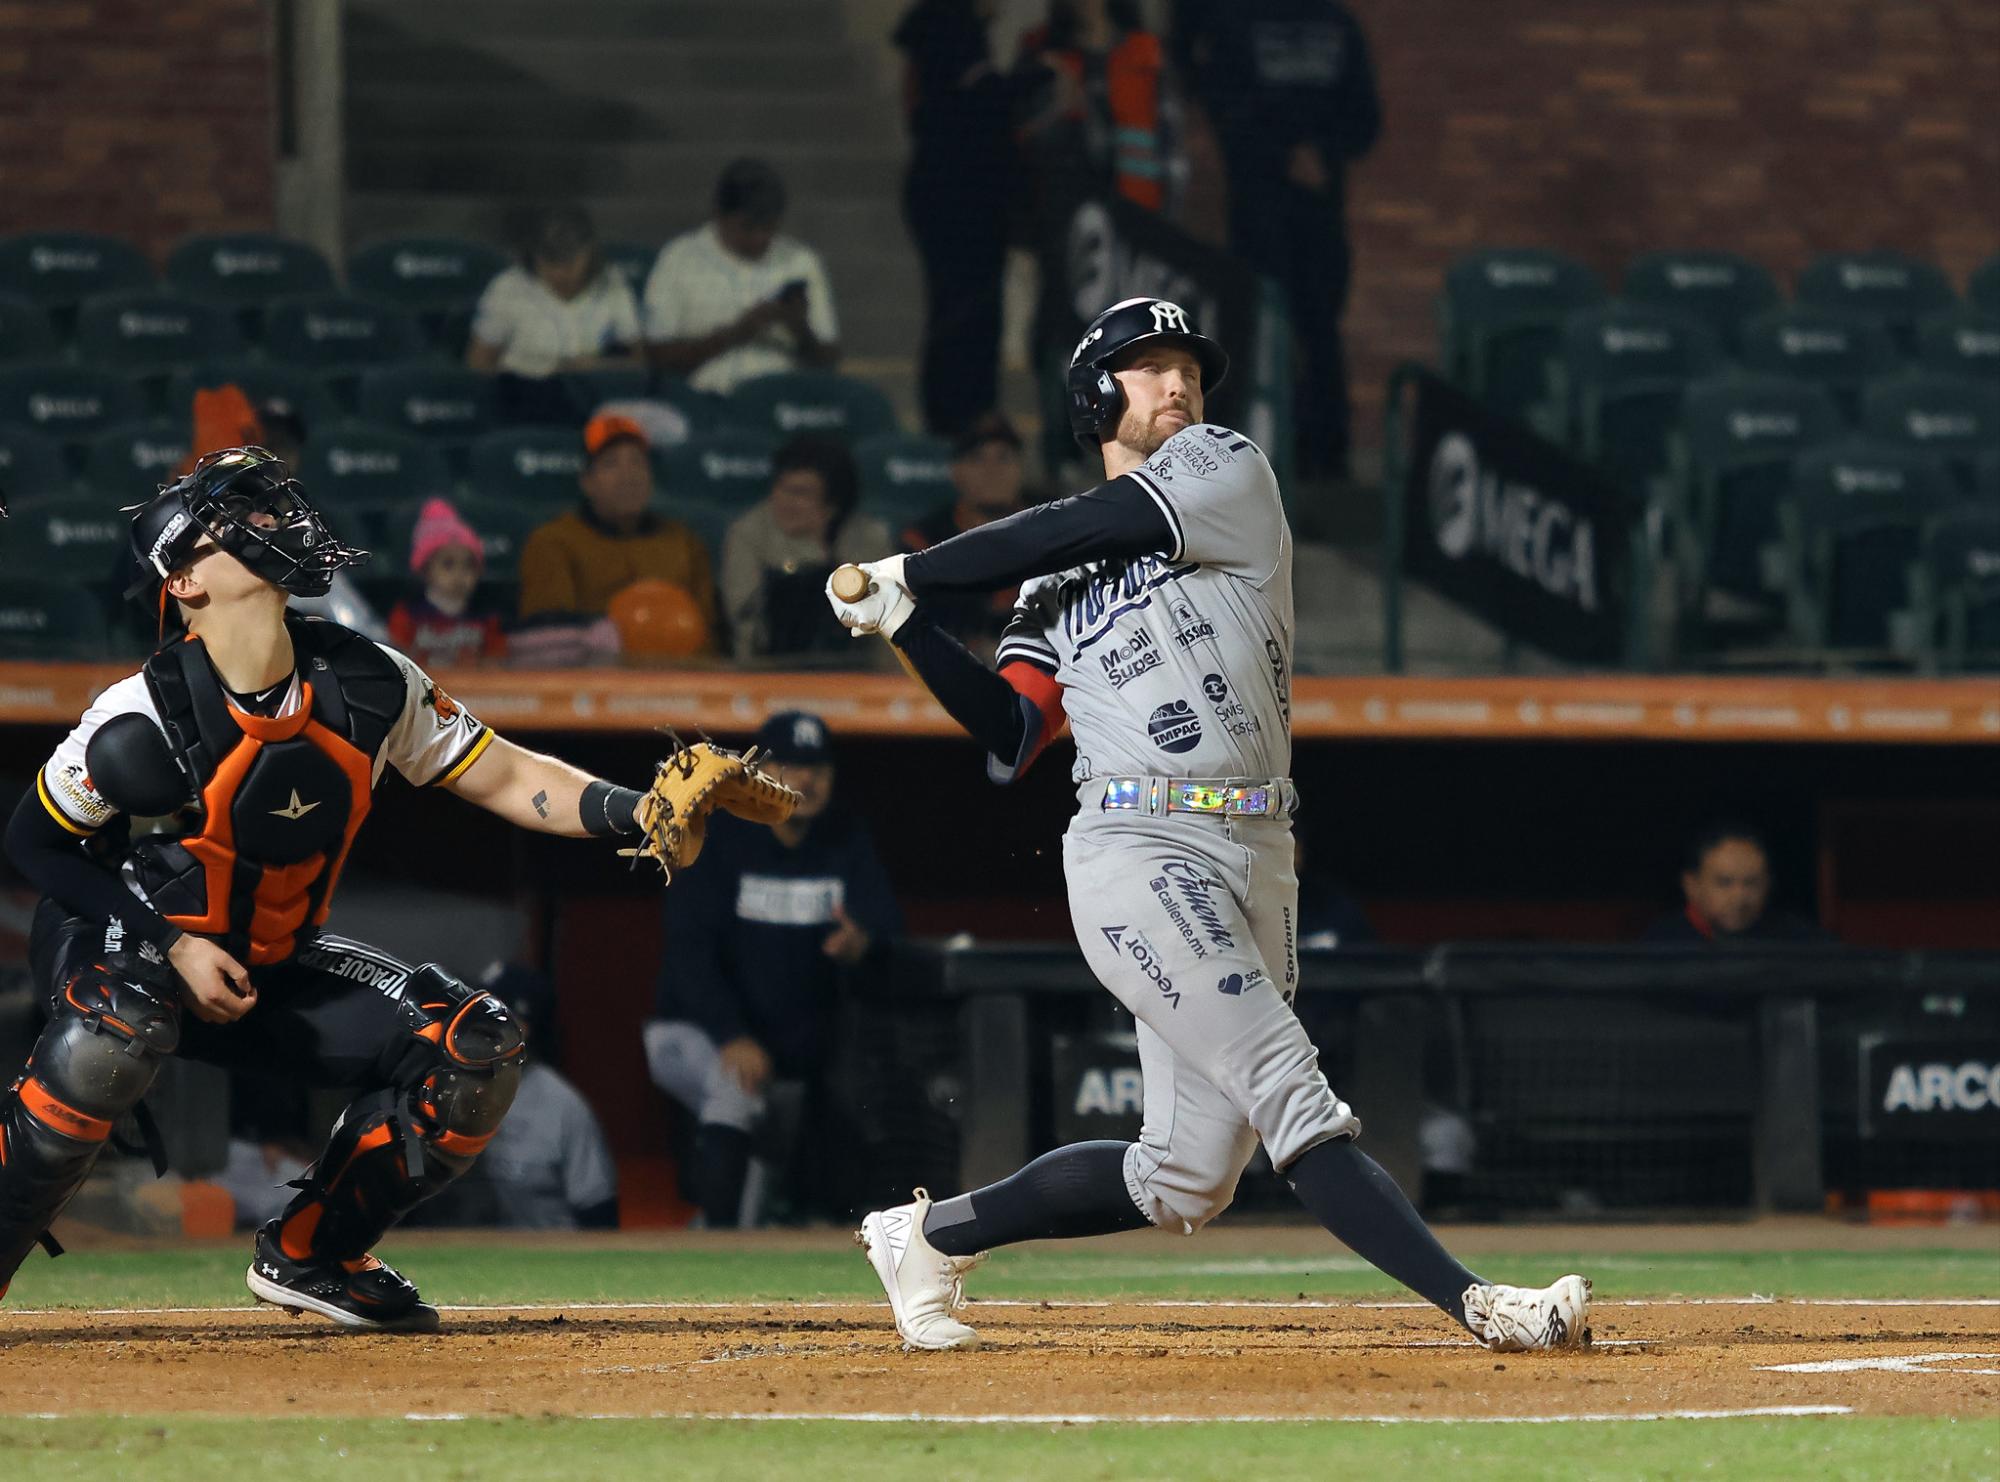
(251, 742)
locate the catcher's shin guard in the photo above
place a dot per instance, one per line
(92, 1064)
(393, 1149)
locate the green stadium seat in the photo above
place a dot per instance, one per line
(246, 270)
(44, 619)
(1961, 342)
(442, 403)
(1982, 289)
(150, 334)
(1721, 289)
(632, 261)
(1738, 437)
(592, 389)
(1986, 476)
(69, 403)
(531, 466)
(356, 470)
(1885, 288)
(707, 518)
(25, 331)
(904, 476)
(1957, 590)
(261, 381)
(58, 270)
(128, 463)
(730, 468)
(324, 332)
(1948, 416)
(791, 402)
(77, 538)
(31, 465)
(1500, 325)
(1852, 527)
(1839, 351)
(1624, 368)
(439, 279)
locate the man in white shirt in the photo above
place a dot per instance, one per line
(735, 298)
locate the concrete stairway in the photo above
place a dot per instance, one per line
(462, 112)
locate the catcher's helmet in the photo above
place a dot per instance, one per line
(1095, 400)
(221, 498)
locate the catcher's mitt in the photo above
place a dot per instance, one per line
(690, 784)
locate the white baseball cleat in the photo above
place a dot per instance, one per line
(924, 1284)
(1522, 1319)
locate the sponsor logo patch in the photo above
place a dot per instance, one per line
(1175, 727)
(1125, 662)
(1133, 944)
(1194, 887)
(1190, 627)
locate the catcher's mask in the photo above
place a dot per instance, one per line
(1095, 399)
(246, 501)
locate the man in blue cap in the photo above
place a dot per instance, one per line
(761, 938)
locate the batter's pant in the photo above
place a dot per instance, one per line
(1192, 922)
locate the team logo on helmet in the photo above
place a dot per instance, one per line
(1169, 318)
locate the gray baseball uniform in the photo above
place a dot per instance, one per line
(1178, 666)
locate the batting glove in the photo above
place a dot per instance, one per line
(887, 606)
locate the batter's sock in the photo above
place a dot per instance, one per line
(1355, 1199)
(721, 1164)
(1077, 1190)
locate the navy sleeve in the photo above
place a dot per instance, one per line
(990, 709)
(1114, 521)
(871, 899)
(55, 863)
(694, 980)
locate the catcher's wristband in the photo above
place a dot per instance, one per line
(604, 804)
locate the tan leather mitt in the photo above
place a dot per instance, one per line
(692, 783)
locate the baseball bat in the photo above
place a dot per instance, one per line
(851, 584)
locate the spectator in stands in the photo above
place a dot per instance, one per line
(440, 624)
(561, 309)
(957, 197)
(760, 939)
(1290, 92)
(576, 563)
(777, 555)
(1106, 104)
(550, 1169)
(1726, 882)
(986, 471)
(735, 298)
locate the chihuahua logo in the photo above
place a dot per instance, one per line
(443, 704)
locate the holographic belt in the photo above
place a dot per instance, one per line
(1232, 797)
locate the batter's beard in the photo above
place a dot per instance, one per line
(1148, 437)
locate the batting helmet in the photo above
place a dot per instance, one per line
(222, 498)
(1095, 400)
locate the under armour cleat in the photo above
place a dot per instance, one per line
(368, 1293)
(1520, 1319)
(924, 1285)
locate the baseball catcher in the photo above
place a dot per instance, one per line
(251, 742)
(1156, 618)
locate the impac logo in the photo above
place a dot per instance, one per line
(1174, 727)
(1533, 535)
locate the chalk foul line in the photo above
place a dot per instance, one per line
(918, 1417)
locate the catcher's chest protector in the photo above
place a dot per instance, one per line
(279, 799)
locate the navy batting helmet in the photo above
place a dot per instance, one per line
(1095, 400)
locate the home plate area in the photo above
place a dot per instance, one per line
(1078, 1363)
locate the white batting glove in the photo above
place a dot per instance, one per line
(887, 606)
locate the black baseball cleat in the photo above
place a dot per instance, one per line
(367, 1293)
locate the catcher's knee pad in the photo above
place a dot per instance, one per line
(458, 1100)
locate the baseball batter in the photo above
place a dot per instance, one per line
(1156, 617)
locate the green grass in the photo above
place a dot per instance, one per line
(1822, 1450)
(474, 1273)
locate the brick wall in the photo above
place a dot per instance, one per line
(148, 119)
(1776, 128)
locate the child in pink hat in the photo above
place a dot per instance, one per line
(437, 626)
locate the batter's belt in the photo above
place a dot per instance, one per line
(1231, 797)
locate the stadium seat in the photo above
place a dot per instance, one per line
(1721, 289)
(128, 463)
(443, 403)
(69, 403)
(791, 402)
(1885, 288)
(1500, 323)
(25, 331)
(338, 332)
(707, 518)
(77, 538)
(1733, 455)
(1986, 476)
(262, 381)
(1982, 289)
(730, 468)
(355, 471)
(149, 333)
(904, 476)
(1957, 590)
(632, 261)
(1948, 416)
(1825, 346)
(58, 270)
(532, 466)
(1623, 370)
(592, 389)
(44, 619)
(1851, 528)
(31, 465)
(1961, 342)
(438, 279)
(246, 270)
